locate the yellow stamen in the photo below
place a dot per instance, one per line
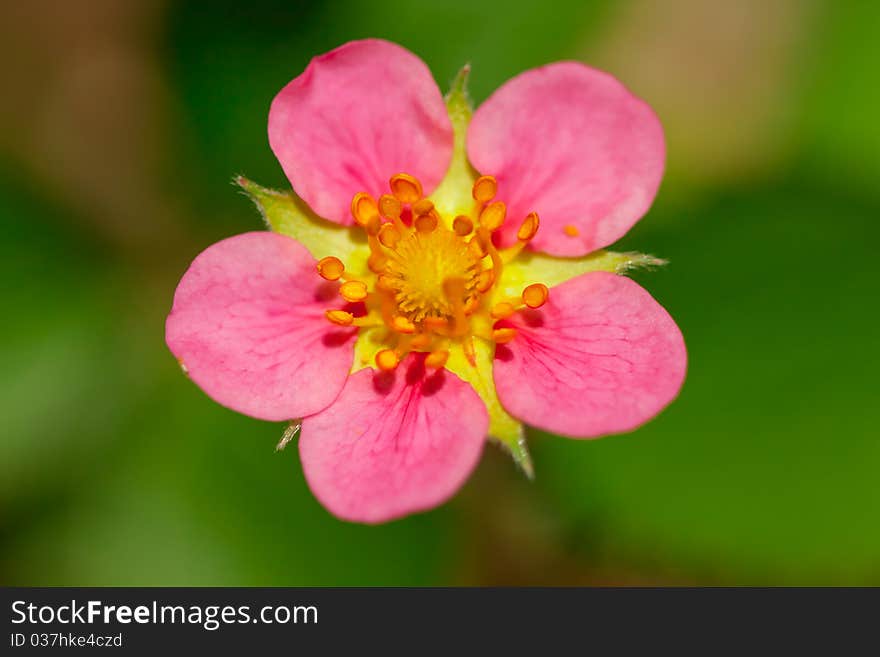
(387, 360)
(353, 291)
(406, 188)
(339, 317)
(485, 188)
(503, 335)
(492, 216)
(437, 359)
(330, 268)
(528, 228)
(535, 295)
(571, 230)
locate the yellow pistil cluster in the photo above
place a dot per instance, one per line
(433, 279)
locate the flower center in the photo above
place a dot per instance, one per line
(427, 271)
(433, 281)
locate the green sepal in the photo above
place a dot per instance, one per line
(504, 429)
(287, 214)
(453, 195)
(533, 267)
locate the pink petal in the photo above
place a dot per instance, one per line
(393, 444)
(248, 326)
(355, 117)
(601, 356)
(572, 144)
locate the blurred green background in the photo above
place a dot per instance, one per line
(122, 125)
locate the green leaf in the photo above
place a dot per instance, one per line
(287, 214)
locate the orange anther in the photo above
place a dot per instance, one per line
(339, 317)
(406, 188)
(434, 323)
(364, 208)
(471, 305)
(376, 263)
(535, 295)
(462, 225)
(437, 359)
(385, 283)
(477, 248)
(422, 206)
(353, 291)
(528, 228)
(373, 225)
(502, 310)
(485, 280)
(420, 341)
(389, 236)
(425, 223)
(493, 215)
(503, 335)
(389, 206)
(571, 230)
(386, 360)
(330, 268)
(402, 325)
(485, 188)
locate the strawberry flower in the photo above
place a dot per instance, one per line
(436, 277)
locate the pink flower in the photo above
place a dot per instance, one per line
(431, 307)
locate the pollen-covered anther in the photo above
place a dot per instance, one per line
(462, 225)
(485, 280)
(339, 317)
(503, 335)
(387, 360)
(403, 325)
(535, 295)
(422, 206)
(425, 223)
(437, 359)
(421, 341)
(364, 209)
(406, 188)
(492, 216)
(571, 230)
(471, 305)
(389, 236)
(330, 268)
(502, 310)
(436, 323)
(353, 291)
(376, 263)
(485, 188)
(528, 228)
(389, 206)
